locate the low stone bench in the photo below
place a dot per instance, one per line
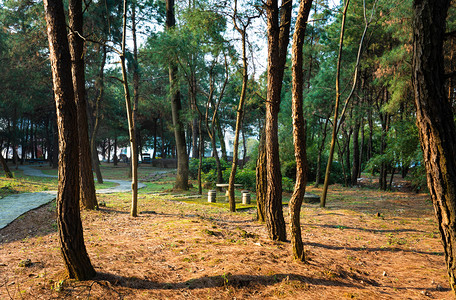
(311, 198)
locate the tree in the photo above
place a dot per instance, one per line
(76, 41)
(99, 86)
(299, 134)
(336, 109)
(176, 106)
(278, 39)
(241, 27)
(337, 123)
(435, 120)
(261, 179)
(131, 121)
(7, 171)
(77, 262)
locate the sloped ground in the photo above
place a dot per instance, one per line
(366, 245)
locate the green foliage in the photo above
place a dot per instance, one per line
(247, 178)
(208, 167)
(289, 169)
(418, 179)
(403, 149)
(287, 184)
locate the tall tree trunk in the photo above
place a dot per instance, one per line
(321, 147)
(435, 120)
(221, 138)
(261, 180)
(384, 118)
(162, 137)
(69, 223)
(356, 158)
(176, 108)
(336, 110)
(299, 132)
(115, 158)
(278, 39)
(99, 84)
(195, 131)
(24, 131)
(212, 129)
(136, 77)
(370, 143)
(347, 134)
(55, 144)
(7, 171)
(14, 132)
(239, 113)
(362, 148)
(109, 151)
(131, 121)
(200, 155)
(87, 185)
(154, 153)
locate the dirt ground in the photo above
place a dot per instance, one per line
(366, 244)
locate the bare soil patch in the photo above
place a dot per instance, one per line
(367, 244)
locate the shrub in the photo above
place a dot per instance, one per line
(287, 184)
(289, 169)
(246, 177)
(210, 176)
(418, 180)
(208, 164)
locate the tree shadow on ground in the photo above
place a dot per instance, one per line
(365, 229)
(377, 249)
(225, 280)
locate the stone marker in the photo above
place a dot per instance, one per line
(211, 196)
(245, 197)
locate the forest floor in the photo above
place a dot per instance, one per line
(366, 244)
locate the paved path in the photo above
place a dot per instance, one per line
(14, 206)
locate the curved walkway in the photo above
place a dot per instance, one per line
(14, 206)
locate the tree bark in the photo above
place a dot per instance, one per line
(299, 134)
(176, 108)
(136, 76)
(115, 158)
(278, 39)
(131, 121)
(77, 262)
(211, 130)
(261, 180)
(99, 84)
(384, 119)
(370, 142)
(362, 148)
(221, 138)
(336, 110)
(87, 184)
(7, 171)
(356, 155)
(55, 144)
(240, 109)
(435, 120)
